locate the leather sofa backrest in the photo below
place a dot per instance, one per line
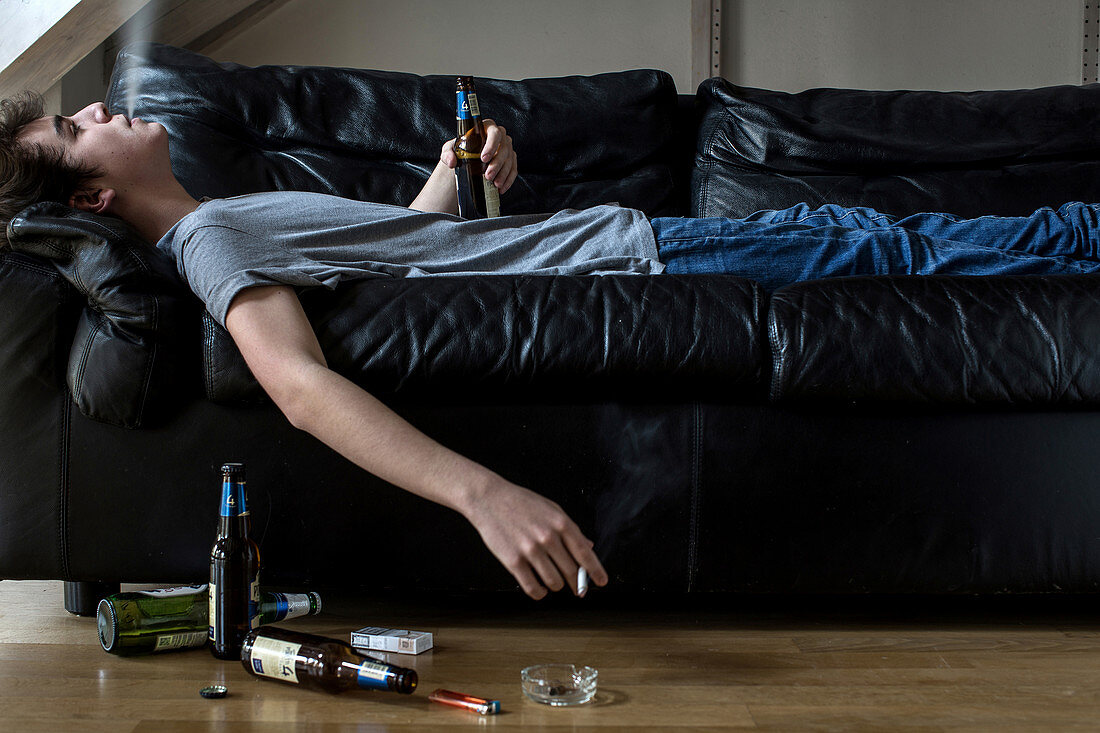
(938, 340)
(900, 152)
(376, 135)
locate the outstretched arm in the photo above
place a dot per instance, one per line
(531, 535)
(498, 157)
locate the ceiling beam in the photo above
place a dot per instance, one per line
(43, 39)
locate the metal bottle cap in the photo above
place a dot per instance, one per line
(234, 469)
(107, 624)
(214, 691)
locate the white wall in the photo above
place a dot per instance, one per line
(778, 44)
(507, 39)
(896, 44)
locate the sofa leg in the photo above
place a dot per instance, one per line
(82, 597)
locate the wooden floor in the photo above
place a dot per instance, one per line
(783, 664)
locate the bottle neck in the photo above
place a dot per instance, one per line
(467, 109)
(233, 520)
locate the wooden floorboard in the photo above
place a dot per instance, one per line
(727, 665)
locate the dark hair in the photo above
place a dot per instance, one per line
(30, 172)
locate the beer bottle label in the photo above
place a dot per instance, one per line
(254, 603)
(233, 503)
(182, 640)
(289, 605)
(274, 658)
(183, 590)
(467, 106)
(373, 676)
(492, 199)
(213, 593)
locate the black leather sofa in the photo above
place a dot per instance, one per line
(869, 434)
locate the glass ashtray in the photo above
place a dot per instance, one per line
(559, 684)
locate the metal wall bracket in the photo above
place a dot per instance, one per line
(1091, 45)
(706, 39)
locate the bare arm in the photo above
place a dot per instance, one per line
(531, 535)
(498, 156)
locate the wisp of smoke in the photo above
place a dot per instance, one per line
(139, 29)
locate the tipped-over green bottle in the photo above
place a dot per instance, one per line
(149, 621)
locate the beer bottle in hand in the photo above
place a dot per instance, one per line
(477, 197)
(234, 570)
(319, 662)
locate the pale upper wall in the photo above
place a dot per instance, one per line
(902, 44)
(507, 39)
(778, 44)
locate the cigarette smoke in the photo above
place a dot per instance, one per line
(142, 28)
(648, 481)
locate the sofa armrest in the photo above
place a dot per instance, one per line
(125, 358)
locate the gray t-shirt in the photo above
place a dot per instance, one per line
(310, 239)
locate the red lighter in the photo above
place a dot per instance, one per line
(466, 702)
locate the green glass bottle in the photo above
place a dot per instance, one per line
(319, 662)
(144, 622)
(151, 621)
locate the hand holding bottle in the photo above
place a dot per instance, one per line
(497, 155)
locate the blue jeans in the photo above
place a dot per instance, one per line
(777, 248)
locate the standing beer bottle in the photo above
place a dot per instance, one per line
(319, 662)
(477, 197)
(234, 570)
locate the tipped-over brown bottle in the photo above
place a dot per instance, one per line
(319, 662)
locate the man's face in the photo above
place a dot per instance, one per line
(127, 152)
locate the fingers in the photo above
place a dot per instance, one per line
(559, 557)
(501, 167)
(533, 538)
(547, 568)
(504, 176)
(580, 547)
(447, 154)
(545, 565)
(528, 582)
(500, 157)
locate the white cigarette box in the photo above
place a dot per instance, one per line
(401, 641)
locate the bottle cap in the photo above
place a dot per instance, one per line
(214, 691)
(107, 624)
(233, 469)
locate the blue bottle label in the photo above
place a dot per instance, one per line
(282, 606)
(233, 503)
(373, 676)
(467, 106)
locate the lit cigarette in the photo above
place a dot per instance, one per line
(582, 582)
(466, 702)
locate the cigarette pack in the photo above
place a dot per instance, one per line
(401, 641)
